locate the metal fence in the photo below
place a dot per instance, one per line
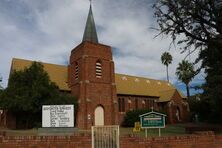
(105, 136)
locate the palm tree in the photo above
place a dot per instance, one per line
(166, 59)
(185, 73)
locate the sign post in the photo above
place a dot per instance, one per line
(152, 120)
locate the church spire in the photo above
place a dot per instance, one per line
(90, 33)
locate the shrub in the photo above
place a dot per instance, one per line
(133, 116)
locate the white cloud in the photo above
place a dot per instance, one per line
(47, 30)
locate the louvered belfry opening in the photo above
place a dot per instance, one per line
(76, 71)
(98, 69)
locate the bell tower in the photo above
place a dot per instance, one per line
(91, 78)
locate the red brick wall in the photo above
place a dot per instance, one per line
(90, 90)
(84, 141)
(131, 106)
(193, 141)
(171, 109)
(76, 141)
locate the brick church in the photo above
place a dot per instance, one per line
(104, 96)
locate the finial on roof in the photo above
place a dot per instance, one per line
(90, 33)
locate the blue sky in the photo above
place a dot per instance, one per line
(47, 31)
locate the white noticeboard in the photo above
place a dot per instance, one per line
(58, 116)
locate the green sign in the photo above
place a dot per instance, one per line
(152, 120)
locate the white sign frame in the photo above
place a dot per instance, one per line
(54, 116)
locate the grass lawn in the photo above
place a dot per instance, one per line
(169, 130)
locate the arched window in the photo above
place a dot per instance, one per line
(129, 104)
(150, 103)
(121, 102)
(147, 103)
(143, 104)
(98, 69)
(136, 103)
(76, 70)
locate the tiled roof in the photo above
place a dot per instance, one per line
(166, 95)
(125, 84)
(57, 73)
(132, 85)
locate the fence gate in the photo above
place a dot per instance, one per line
(105, 136)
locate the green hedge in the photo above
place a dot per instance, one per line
(133, 116)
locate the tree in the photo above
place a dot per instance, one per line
(166, 59)
(199, 23)
(27, 91)
(198, 20)
(213, 86)
(185, 73)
